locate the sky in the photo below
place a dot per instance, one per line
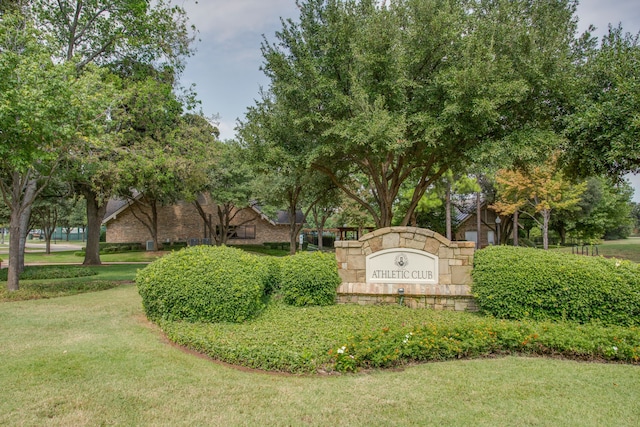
(226, 65)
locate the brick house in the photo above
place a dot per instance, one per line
(467, 228)
(181, 222)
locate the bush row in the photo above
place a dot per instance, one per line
(519, 283)
(348, 338)
(481, 337)
(224, 284)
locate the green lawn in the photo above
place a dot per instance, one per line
(623, 249)
(93, 359)
(51, 281)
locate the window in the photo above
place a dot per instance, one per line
(471, 236)
(240, 231)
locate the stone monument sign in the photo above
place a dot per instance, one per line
(415, 266)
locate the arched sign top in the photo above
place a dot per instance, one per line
(402, 266)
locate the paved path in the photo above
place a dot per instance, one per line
(41, 247)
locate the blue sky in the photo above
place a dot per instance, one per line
(226, 67)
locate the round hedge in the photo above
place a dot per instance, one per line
(203, 283)
(518, 283)
(309, 278)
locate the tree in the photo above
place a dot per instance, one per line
(541, 190)
(387, 93)
(229, 184)
(74, 215)
(635, 215)
(161, 163)
(43, 106)
(605, 210)
(278, 152)
(604, 130)
(108, 32)
(48, 210)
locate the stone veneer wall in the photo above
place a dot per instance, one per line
(455, 262)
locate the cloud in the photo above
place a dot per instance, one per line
(601, 13)
(225, 21)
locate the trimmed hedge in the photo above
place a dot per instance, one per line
(519, 283)
(205, 284)
(309, 278)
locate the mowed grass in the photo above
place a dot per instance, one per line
(71, 257)
(622, 249)
(53, 281)
(93, 359)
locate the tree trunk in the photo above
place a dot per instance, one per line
(447, 210)
(13, 273)
(478, 221)
(47, 243)
(546, 214)
(293, 230)
(154, 226)
(95, 215)
(516, 228)
(24, 219)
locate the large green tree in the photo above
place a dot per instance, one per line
(161, 160)
(43, 107)
(108, 32)
(278, 150)
(383, 93)
(604, 130)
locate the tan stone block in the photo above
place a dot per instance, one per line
(403, 242)
(419, 237)
(367, 251)
(391, 240)
(354, 251)
(347, 276)
(424, 232)
(432, 246)
(356, 262)
(438, 307)
(414, 244)
(430, 300)
(453, 261)
(442, 239)
(467, 251)
(361, 275)
(341, 255)
(445, 279)
(375, 244)
(445, 252)
(461, 275)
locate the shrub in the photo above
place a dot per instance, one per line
(309, 278)
(203, 283)
(519, 283)
(273, 266)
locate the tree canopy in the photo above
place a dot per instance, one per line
(604, 130)
(386, 93)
